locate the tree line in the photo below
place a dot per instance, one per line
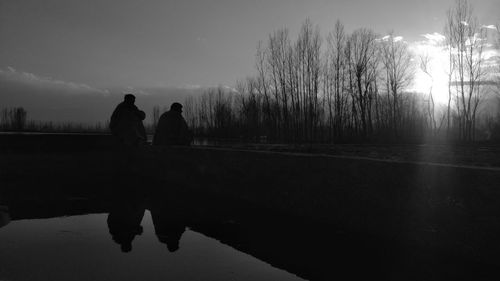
(349, 87)
(15, 119)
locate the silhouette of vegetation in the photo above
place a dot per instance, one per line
(465, 42)
(353, 89)
(13, 119)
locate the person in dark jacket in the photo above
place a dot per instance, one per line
(172, 129)
(126, 122)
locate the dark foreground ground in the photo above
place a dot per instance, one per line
(481, 154)
(312, 214)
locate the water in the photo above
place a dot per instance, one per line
(173, 234)
(81, 248)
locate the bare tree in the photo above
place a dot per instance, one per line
(308, 65)
(451, 67)
(155, 116)
(363, 61)
(13, 118)
(279, 45)
(304, 93)
(396, 60)
(466, 39)
(263, 87)
(497, 70)
(189, 112)
(334, 79)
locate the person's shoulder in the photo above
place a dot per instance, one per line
(164, 116)
(120, 105)
(170, 114)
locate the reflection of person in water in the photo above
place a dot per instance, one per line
(169, 225)
(124, 222)
(126, 122)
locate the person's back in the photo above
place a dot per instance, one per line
(126, 122)
(172, 129)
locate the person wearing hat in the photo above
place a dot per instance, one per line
(126, 122)
(172, 129)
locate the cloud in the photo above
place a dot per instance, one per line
(387, 38)
(201, 39)
(493, 61)
(398, 38)
(135, 91)
(491, 26)
(491, 54)
(434, 38)
(476, 39)
(194, 87)
(11, 74)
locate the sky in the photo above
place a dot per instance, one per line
(109, 44)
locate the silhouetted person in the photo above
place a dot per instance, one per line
(126, 122)
(172, 129)
(169, 223)
(124, 223)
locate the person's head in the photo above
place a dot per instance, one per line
(129, 99)
(176, 107)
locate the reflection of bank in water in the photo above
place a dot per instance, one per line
(4, 216)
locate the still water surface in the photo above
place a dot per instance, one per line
(81, 248)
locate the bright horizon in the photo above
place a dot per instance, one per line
(435, 49)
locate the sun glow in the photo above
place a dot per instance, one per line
(434, 77)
